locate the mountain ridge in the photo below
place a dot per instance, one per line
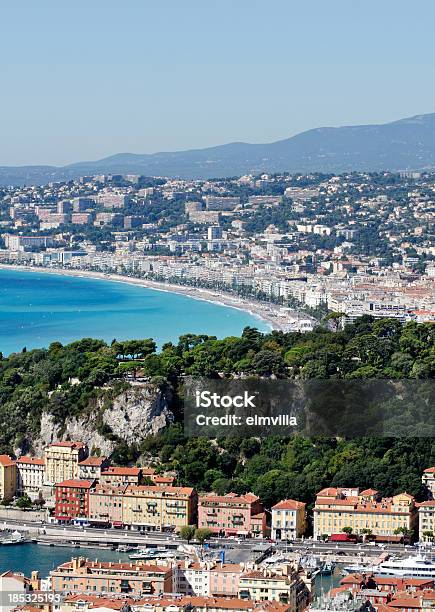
(403, 144)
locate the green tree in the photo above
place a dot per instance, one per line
(24, 502)
(187, 532)
(202, 534)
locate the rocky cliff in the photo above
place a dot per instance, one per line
(130, 416)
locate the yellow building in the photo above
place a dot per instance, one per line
(159, 508)
(289, 519)
(62, 461)
(283, 585)
(8, 478)
(336, 509)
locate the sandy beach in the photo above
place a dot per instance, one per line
(270, 314)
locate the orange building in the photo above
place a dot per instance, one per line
(231, 514)
(82, 575)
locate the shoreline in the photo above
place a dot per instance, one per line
(269, 314)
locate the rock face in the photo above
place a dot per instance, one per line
(131, 416)
(137, 413)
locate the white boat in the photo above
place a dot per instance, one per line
(14, 538)
(411, 567)
(142, 553)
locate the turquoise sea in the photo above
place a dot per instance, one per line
(28, 557)
(39, 308)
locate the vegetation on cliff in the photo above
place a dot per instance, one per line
(67, 381)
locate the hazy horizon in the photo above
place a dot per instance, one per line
(84, 81)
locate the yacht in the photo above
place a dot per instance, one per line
(411, 567)
(14, 538)
(151, 553)
(124, 548)
(142, 553)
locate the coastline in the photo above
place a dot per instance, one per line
(269, 314)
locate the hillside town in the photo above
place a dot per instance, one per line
(72, 487)
(291, 249)
(291, 246)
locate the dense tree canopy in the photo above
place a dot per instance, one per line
(66, 381)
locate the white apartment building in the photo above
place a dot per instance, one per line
(428, 479)
(426, 521)
(30, 475)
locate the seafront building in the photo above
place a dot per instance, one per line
(8, 478)
(159, 508)
(426, 521)
(289, 520)
(363, 512)
(105, 504)
(62, 461)
(167, 603)
(30, 476)
(72, 499)
(232, 514)
(284, 586)
(428, 479)
(81, 575)
(204, 583)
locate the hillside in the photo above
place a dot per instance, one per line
(81, 391)
(405, 144)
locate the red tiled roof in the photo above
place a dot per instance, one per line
(155, 489)
(93, 461)
(31, 460)
(76, 484)
(248, 498)
(6, 461)
(120, 471)
(288, 504)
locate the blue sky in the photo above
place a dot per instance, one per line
(82, 79)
